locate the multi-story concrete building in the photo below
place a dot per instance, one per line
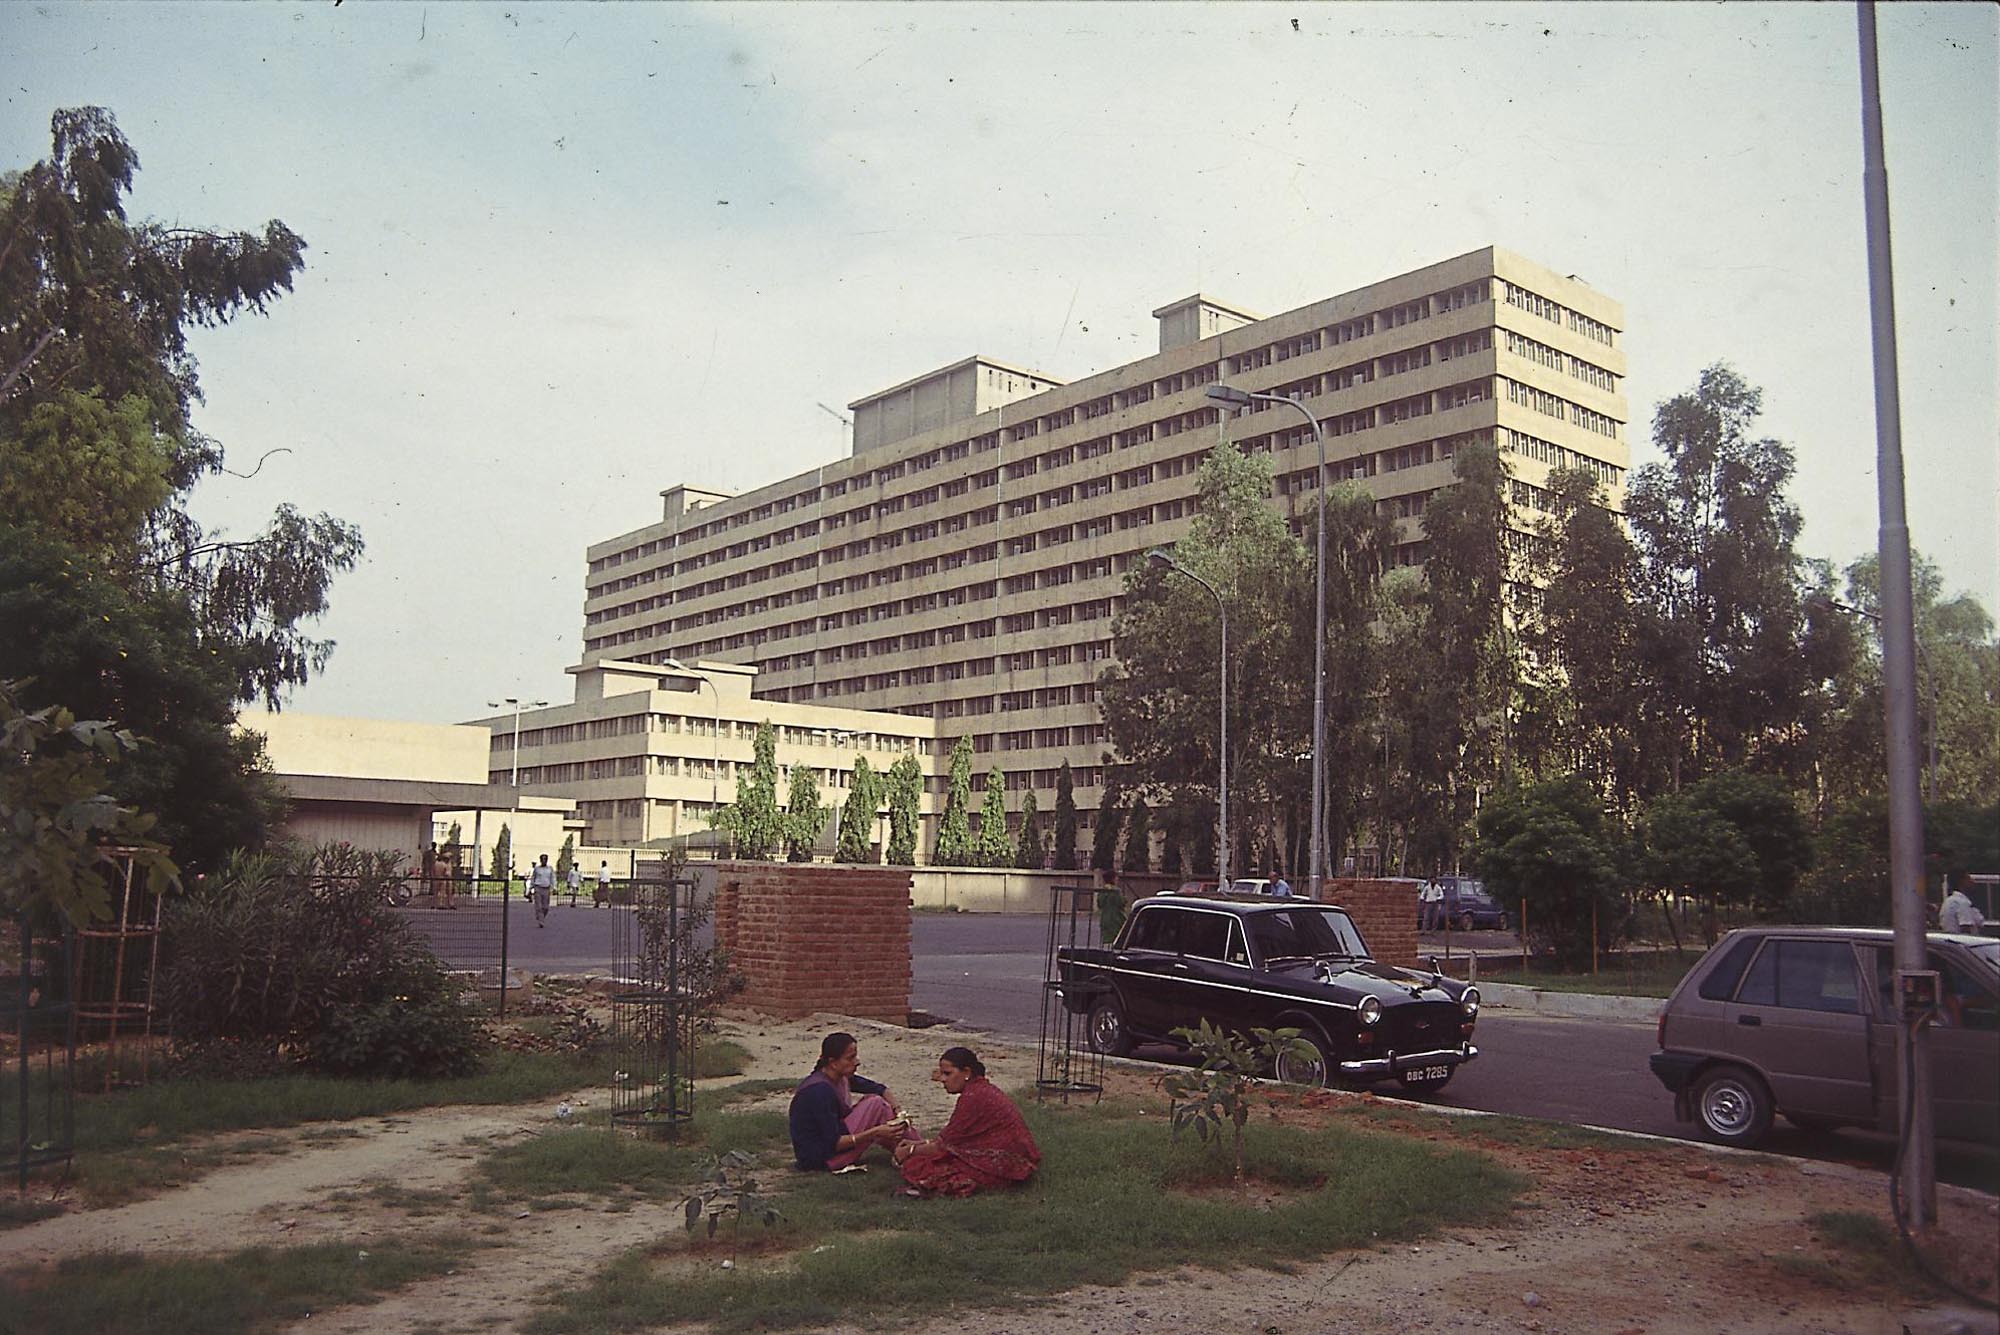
(647, 751)
(964, 564)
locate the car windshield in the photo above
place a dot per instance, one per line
(1987, 953)
(1304, 933)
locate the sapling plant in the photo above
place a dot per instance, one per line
(1216, 1093)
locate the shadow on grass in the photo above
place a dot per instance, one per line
(242, 1293)
(1115, 1197)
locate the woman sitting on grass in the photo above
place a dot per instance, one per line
(985, 1144)
(832, 1129)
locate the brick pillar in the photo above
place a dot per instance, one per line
(809, 937)
(1384, 909)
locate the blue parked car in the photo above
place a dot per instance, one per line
(1460, 901)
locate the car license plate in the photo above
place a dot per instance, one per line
(1427, 1073)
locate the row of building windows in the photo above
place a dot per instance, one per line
(1133, 396)
(1554, 405)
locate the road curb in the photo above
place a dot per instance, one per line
(1572, 1005)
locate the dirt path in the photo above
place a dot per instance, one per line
(1613, 1240)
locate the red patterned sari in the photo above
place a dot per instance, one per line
(985, 1144)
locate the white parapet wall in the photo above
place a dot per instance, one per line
(988, 889)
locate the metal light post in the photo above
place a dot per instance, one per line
(1160, 556)
(1917, 1176)
(519, 705)
(1243, 398)
(715, 734)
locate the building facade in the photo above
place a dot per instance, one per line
(964, 564)
(648, 751)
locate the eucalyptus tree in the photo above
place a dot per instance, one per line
(142, 616)
(1726, 631)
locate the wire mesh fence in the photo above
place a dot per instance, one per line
(467, 930)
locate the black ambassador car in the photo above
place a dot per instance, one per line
(1269, 965)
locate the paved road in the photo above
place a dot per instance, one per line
(985, 972)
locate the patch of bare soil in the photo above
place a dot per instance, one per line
(1617, 1238)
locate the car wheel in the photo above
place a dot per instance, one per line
(1108, 1033)
(1416, 1084)
(1465, 923)
(401, 893)
(1733, 1106)
(1303, 1067)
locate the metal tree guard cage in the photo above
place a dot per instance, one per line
(43, 1108)
(1061, 1069)
(115, 965)
(652, 1012)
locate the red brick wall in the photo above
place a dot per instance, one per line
(809, 937)
(1384, 910)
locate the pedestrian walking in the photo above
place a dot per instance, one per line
(542, 884)
(603, 884)
(575, 883)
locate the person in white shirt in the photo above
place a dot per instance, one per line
(603, 883)
(1960, 914)
(542, 883)
(575, 883)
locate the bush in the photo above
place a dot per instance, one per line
(1547, 844)
(296, 958)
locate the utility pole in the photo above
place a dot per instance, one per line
(1916, 985)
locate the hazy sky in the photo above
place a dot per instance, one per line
(565, 256)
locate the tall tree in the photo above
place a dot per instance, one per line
(99, 456)
(954, 840)
(1359, 539)
(857, 816)
(1160, 699)
(805, 817)
(1029, 854)
(1065, 838)
(754, 822)
(993, 848)
(1451, 689)
(906, 782)
(1104, 834)
(1725, 632)
(1139, 837)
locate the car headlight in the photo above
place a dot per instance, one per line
(1469, 1000)
(1371, 1011)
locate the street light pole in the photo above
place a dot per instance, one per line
(1240, 398)
(715, 731)
(1160, 556)
(1918, 1169)
(518, 704)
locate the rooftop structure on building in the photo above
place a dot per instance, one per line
(964, 564)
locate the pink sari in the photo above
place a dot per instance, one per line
(869, 1112)
(985, 1144)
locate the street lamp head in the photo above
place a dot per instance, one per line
(1161, 556)
(1229, 394)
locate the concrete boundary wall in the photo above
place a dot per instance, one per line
(988, 889)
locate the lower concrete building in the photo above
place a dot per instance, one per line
(387, 785)
(649, 751)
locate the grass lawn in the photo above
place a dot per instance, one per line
(1116, 1196)
(1648, 973)
(244, 1292)
(129, 1143)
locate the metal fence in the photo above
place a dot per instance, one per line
(466, 929)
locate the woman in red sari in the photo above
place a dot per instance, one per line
(985, 1144)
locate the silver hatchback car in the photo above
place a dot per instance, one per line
(1801, 1022)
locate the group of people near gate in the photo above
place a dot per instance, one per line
(839, 1115)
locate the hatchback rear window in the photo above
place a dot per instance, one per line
(1720, 984)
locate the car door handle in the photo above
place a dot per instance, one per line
(1180, 966)
(1751, 1020)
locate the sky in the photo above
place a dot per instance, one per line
(562, 257)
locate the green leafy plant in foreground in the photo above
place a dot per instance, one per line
(730, 1193)
(1217, 1092)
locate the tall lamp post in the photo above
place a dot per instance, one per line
(519, 705)
(1243, 398)
(1160, 556)
(715, 733)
